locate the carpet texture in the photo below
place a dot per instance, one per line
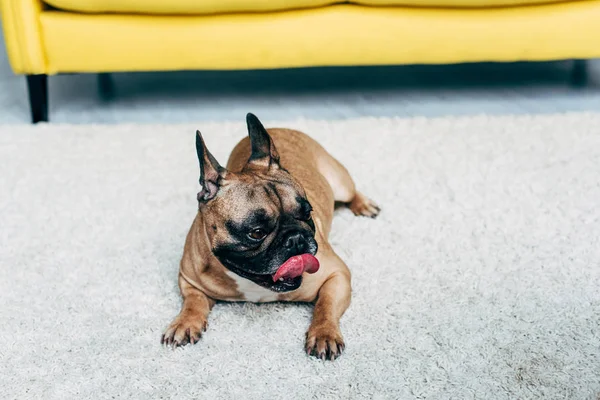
(480, 279)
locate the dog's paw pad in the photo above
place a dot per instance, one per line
(324, 343)
(184, 330)
(363, 206)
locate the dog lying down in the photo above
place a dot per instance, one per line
(261, 232)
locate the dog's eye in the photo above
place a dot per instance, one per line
(305, 210)
(308, 213)
(258, 234)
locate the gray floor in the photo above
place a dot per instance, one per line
(318, 93)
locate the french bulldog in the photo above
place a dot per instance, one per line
(261, 231)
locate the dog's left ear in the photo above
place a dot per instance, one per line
(264, 152)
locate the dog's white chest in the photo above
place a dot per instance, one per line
(251, 291)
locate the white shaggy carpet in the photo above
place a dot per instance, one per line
(480, 279)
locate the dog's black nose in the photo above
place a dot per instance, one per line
(296, 242)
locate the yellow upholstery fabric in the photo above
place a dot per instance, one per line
(184, 6)
(335, 35)
(454, 3)
(229, 6)
(20, 22)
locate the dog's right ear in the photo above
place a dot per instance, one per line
(210, 171)
(263, 154)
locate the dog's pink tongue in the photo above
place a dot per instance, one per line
(297, 265)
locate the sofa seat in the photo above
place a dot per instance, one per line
(185, 7)
(202, 7)
(455, 3)
(323, 36)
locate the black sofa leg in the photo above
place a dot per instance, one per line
(37, 85)
(579, 73)
(106, 86)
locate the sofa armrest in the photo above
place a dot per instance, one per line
(23, 36)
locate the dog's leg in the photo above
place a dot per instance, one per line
(344, 189)
(324, 338)
(192, 320)
(362, 205)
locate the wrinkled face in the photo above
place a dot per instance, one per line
(258, 218)
(255, 225)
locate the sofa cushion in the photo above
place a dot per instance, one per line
(454, 3)
(183, 6)
(239, 6)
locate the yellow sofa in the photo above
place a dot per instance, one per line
(63, 36)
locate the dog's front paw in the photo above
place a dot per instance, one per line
(184, 329)
(324, 342)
